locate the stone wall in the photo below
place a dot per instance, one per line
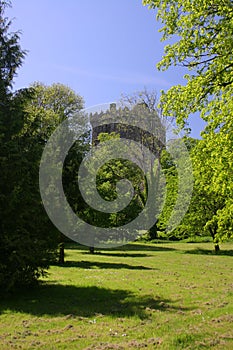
(116, 120)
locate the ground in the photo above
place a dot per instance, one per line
(165, 296)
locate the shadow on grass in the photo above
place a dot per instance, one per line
(209, 252)
(120, 255)
(102, 265)
(91, 301)
(126, 248)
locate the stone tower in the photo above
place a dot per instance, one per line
(142, 120)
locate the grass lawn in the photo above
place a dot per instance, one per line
(165, 296)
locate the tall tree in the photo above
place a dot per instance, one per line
(212, 161)
(27, 118)
(11, 119)
(202, 33)
(47, 108)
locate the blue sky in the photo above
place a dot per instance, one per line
(99, 48)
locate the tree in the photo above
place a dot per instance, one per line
(177, 189)
(207, 207)
(170, 172)
(107, 177)
(158, 123)
(48, 107)
(114, 171)
(11, 54)
(137, 120)
(212, 159)
(11, 119)
(149, 99)
(28, 240)
(203, 32)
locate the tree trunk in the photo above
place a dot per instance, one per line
(216, 245)
(61, 253)
(91, 250)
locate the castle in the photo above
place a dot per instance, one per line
(138, 124)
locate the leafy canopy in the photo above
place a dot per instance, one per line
(203, 32)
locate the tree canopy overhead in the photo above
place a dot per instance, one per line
(203, 30)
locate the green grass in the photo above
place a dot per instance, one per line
(165, 296)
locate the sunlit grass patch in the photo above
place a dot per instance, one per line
(139, 296)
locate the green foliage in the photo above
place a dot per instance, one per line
(11, 54)
(212, 168)
(28, 240)
(198, 239)
(203, 31)
(13, 263)
(171, 176)
(107, 177)
(109, 172)
(209, 213)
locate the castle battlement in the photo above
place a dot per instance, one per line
(138, 124)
